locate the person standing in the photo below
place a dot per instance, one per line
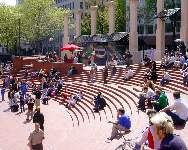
(105, 74)
(39, 118)
(3, 93)
(22, 103)
(30, 109)
(38, 95)
(35, 138)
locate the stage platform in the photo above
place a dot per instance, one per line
(36, 64)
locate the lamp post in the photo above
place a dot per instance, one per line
(50, 42)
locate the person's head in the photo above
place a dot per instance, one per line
(37, 126)
(38, 109)
(150, 114)
(121, 111)
(163, 125)
(176, 95)
(145, 89)
(158, 92)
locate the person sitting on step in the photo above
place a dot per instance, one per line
(99, 102)
(165, 79)
(123, 123)
(180, 116)
(146, 61)
(129, 74)
(72, 102)
(146, 96)
(161, 102)
(170, 63)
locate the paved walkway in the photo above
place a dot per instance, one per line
(59, 131)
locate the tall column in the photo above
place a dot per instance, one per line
(111, 16)
(93, 20)
(66, 30)
(160, 32)
(184, 21)
(78, 23)
(133, 35)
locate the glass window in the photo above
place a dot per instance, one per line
(149, 29)
(168, 28)
(81, 5)
(72, 5)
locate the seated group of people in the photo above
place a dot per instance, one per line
(160, 132)
(153, 98)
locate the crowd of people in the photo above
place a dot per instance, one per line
(163, 117)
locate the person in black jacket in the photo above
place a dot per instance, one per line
(39, 118)
(99, 102)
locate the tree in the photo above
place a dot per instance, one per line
(102, 17)
(38, 19)
(8, 26)
(120, 15)
(102, 20)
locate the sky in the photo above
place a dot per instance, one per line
(8, 2)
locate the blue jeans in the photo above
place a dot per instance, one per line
(176, 119)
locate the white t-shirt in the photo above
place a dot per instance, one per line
(129, 73)
(150, 93)
(181, 109)
(167, 76)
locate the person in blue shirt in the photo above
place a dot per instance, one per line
(123, 123)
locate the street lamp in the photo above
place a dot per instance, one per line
(50, 42)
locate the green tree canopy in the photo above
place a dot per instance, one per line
(38, 19)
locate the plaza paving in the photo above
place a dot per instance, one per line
(59, 130)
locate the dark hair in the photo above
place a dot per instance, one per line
(121, 110)
(176, 94)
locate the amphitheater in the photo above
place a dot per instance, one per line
(80, 128)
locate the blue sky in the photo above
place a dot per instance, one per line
(8, 2)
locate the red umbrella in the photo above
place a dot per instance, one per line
(70, 47)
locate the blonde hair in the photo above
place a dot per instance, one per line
(163, 122)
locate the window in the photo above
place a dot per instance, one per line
(168, 28)
(140, 29)
(81, 5)
(72, 5)
(149, 29)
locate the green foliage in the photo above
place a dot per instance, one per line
(102, 17)
(8, 25)
(38, 19)
(120, 15)
(102, 20)
(86, 24)
(150, 5)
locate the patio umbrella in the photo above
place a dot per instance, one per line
(70, 47)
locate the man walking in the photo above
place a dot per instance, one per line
(39, 118)
(30, 109)
(35, 139)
